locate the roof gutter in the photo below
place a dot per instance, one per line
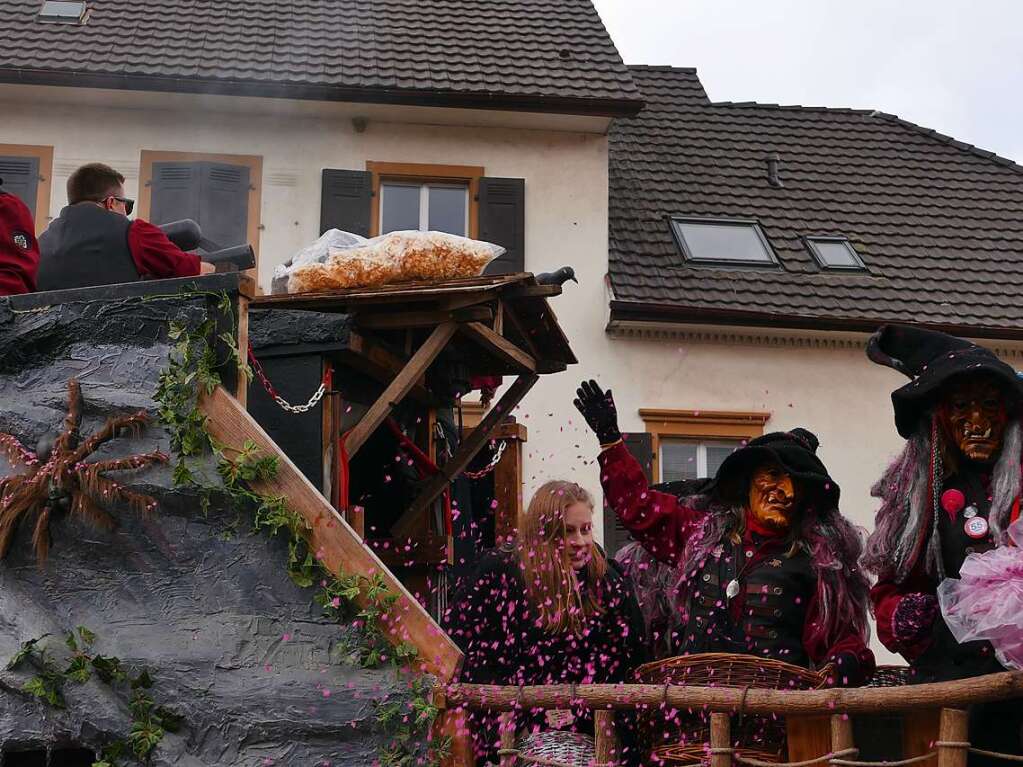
(626, 313)
(302, 91)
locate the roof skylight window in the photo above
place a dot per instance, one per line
(63, 12)
(722, 241)
(835, 253)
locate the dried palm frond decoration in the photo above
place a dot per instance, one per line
(57, 478)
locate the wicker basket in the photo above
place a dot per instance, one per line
(688, 730)
(722, 669)
(890, 676)
(569, 748)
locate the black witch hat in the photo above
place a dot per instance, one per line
(795, 451)
(931, 359)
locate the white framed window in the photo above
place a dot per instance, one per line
(692, 459)
(835, 253)
(722, 241)
(426, 206)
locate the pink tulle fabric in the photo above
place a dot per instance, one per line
(987, 600)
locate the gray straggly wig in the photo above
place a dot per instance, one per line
(907, 517)
(833, 543)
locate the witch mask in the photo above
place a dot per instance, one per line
(974, 414)
(773, 497)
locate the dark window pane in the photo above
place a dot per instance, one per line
(399, 207)
(678, 461)
(723, 242)
(447, 209)
(836, 254)
(716, 455)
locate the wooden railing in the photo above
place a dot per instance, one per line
(950, 698)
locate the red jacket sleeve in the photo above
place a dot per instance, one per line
(155, 256)
(885, 598)
(19, 250)
(657, 520)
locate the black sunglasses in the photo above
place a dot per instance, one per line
(129, 204)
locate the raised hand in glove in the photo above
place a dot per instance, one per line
(598, 408)
(914, 618)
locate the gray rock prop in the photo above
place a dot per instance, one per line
(199, 600)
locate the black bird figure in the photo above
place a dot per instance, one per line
(560, 277)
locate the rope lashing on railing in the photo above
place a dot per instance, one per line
(895, 763)
(805, 763)
(979, 751)
(526, 759)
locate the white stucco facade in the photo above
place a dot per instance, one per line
(562, 159)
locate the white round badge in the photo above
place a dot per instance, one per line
(976, 527)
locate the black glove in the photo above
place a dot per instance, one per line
(847, 671)
(598, 408)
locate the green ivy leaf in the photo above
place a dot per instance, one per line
(142, 681)
(26, 649)
(168, 719)
(78, 670)
(86, 636)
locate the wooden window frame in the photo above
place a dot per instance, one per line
(253, 162)
(699, 425)
(45, 156)
(422, 173)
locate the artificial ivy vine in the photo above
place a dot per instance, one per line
(351, 599)
(149, 721)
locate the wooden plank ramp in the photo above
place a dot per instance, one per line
(331, 538)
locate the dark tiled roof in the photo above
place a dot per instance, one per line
(552, 56)
(938, 223)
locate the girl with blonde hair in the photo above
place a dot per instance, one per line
(547, 608)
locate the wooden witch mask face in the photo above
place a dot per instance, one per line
(974, 414)
(773, 497)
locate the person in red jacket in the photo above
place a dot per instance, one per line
(92, 241)
(19, 251)
(767, 563)
(952, 492)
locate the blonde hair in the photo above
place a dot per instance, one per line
(551, 582)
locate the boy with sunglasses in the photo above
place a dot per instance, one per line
(92, 241)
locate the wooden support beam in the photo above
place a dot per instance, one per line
(955, 729)
(399, 387)
(513, 319)
(808, 737)
(532, 291)
(500, 347)
(842, 734)
(605, 736)
(852, 700)
(454, 724)
(375, 359)
(327, 534)
(507, 729)
(241, 389)
(466, 451)
(720, 740)
(392, 319)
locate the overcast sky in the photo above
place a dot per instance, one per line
(955, 66)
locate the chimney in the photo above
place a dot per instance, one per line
(772, 171)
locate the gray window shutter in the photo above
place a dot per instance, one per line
(21, 178)
(641, 445)
(174, 192)
(503, 222)
(224, 203)
(345, 201)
